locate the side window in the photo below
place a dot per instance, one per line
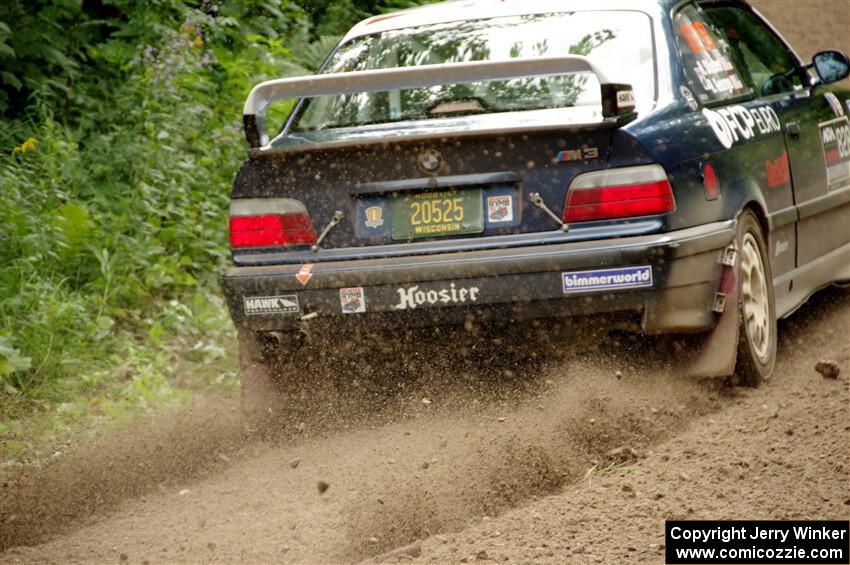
(707, 58)
(765, 62)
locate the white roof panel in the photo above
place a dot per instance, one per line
(459, 10)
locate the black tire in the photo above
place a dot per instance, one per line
(756, 304)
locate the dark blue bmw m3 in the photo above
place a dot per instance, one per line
(672, 163)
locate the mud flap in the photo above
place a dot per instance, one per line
(718, 352)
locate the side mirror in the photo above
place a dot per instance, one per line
(831, 66)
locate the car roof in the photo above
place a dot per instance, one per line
(459, 10)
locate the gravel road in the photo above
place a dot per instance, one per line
(578, 458)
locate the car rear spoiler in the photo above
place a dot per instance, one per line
(617, 98)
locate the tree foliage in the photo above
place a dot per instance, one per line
(121, 134)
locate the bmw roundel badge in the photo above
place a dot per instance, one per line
(429, 161)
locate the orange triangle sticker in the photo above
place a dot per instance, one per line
(305, 274)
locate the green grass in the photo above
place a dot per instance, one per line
(143, 375)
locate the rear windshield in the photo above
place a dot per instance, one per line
(619, 42)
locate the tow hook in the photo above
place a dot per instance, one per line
(537, 200)
(337, 218)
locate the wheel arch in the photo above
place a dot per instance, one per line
(757, 208)
(745, 195)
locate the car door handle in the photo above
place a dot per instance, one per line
(793, 129)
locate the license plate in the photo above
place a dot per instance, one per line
(436, 214)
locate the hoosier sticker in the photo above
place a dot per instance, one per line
(413, 296)
(607, 279)
(259, 305)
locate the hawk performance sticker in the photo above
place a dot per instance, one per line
(733, 123)
(352, 300)
(835, 138)
(260, 305)
(607, 279)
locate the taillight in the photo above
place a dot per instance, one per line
(619, 193)
(270, 222)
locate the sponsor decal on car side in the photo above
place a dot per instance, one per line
(352, 300)
(260, 305)
(734, 123)
(413, 297)
(697, 36)
(778, 171)
(607, 279)
(717, 76)
(500, 209)
(835, 139)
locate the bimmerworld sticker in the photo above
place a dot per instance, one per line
(607, 279)
(260, 305)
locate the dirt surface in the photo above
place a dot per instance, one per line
(580, 458)
(779, 452)
(809, 25)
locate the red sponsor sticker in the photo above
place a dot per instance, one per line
(697, 36)
(778, 171)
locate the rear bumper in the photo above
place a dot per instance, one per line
(667, 279)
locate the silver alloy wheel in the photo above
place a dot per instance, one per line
(755, 299)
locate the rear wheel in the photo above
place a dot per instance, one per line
(756, 306)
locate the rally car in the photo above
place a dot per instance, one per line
(670, 162)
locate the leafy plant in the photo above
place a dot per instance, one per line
(121, 135)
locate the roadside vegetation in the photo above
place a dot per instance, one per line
(121, 131)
